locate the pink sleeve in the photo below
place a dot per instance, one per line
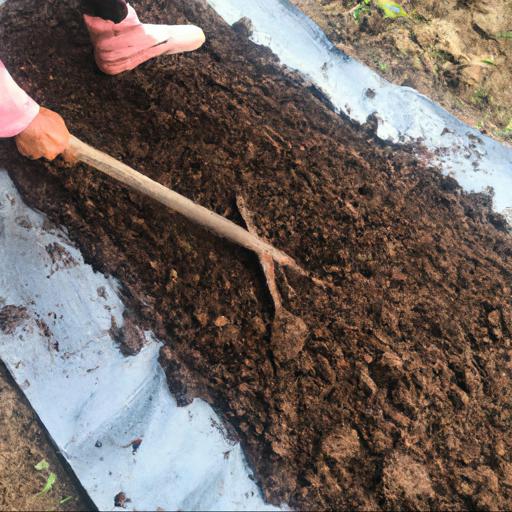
(17, 108)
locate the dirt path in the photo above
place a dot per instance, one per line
(401, 395)
(457, 52)
(23, 444)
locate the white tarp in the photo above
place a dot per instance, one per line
(476, 161)
(94, 401)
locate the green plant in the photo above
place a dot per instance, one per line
(42, 465)
(489, 61)
(504, 134)
(383, 66)
(504, 35)
(361, 8)
(52, 478)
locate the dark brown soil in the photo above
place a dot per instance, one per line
(401, 397)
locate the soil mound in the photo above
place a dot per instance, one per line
(401, 395)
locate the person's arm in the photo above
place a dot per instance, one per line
(39, 132)
(17, 108)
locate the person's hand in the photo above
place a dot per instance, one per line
(45, 137)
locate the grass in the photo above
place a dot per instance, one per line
(418, 17)
(489, 61)
(362, 8)
(506, 133)
(383, 66)
(443, 55)
(481, 97)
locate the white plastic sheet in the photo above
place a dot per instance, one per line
(94, 401)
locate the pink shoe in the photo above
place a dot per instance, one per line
(123, 46)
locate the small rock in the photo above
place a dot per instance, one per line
(506, 467)
(400, 419)
(368, 358)
(180, 116)
(458, 397)
(243, 27)
(488, 479)
(289, 334)
(130, 336)
(380, 441)
(325, 369)
(403, 476)
(494, 318)
(11, 317)
(221, 321)
(120, 500)
(392, 363)
(500, 450)
(367, 383)
(398, 276)
(258, 325)
(342, 445)
(135, 444)
(370, 93)
(202, 318)
(487, 501)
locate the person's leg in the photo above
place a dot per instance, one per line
(121, 42)
(113, 10)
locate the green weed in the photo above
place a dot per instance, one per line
(383, 66)
(489, 61)
(42, 465)
(52, 478)
(362, 8)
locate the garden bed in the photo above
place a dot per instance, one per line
(401, 395)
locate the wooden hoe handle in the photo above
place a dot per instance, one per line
(180, 204)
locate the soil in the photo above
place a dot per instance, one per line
(24, 444)
(457, 52)
(401, 395)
